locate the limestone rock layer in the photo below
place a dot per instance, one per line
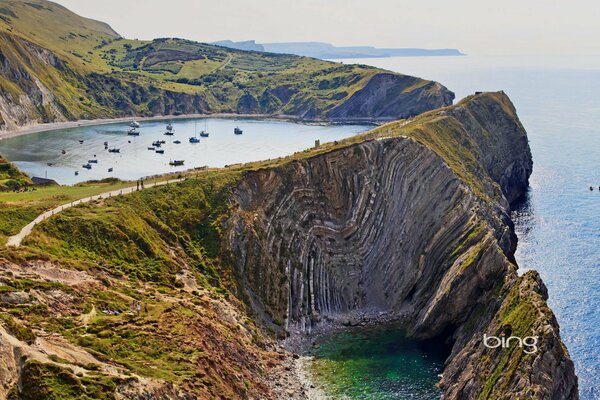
(411, 224)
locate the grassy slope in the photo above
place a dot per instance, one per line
(11, 177)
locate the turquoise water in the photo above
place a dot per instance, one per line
(558, 101)
(377, 363)
(261, 140)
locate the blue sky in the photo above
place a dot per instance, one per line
(476, 27)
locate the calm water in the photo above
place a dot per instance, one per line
(376, 364)
(261, 140)
(558, 102)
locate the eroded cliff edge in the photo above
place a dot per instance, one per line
(409, 223)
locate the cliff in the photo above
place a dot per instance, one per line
(406, 223)
(411, 225)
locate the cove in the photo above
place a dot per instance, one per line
(261, 140)
(376, 363)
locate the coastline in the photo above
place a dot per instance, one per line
(52, 126)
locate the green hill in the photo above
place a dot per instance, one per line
(56, 65)
(11, 177)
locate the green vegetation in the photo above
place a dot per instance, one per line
(133, 234)
(17, 329)
(52, 382)
(11, 177)
(93, 72)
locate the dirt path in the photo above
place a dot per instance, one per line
(17, 239)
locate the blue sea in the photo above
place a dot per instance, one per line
(558, 102)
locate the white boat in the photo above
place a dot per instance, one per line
(134, 124)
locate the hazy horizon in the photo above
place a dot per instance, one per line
(474, 27)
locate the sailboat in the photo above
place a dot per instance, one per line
(169, 131)
(194, 139)
(204, 133)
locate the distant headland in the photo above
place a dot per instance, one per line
(329, 51)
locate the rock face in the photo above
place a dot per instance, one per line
(385, 97)
(412, 224)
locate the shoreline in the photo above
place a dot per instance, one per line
(52, 126)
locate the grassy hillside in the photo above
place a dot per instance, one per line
(57, 65)
(11, 177)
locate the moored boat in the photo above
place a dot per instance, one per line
(160, 151)
(92, 161)
(133, 132)
(176, 162)
(134, 124)
(114, 150)
(87, 166)
(237, 131)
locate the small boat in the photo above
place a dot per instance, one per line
(87, 166)
(64, 152)
(169, 126)
(152, 148)
(161, 141)
(92, 161)
(110, 169)
(194, 139)
(114, 150)
(156, 143)
(133, 132)
(177, 141)
(176, 162)
(237, 131)
(134, 124)
(50, 164)
(76, 173)
(80, 141)
(160, 151)
(105, 144)
(169, 133)
(203, 134)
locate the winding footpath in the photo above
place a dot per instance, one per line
(16, 240)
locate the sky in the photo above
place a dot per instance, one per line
(482, 27)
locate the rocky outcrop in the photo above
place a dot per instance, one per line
(29, 76)
(409, 224)
(390, 96)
